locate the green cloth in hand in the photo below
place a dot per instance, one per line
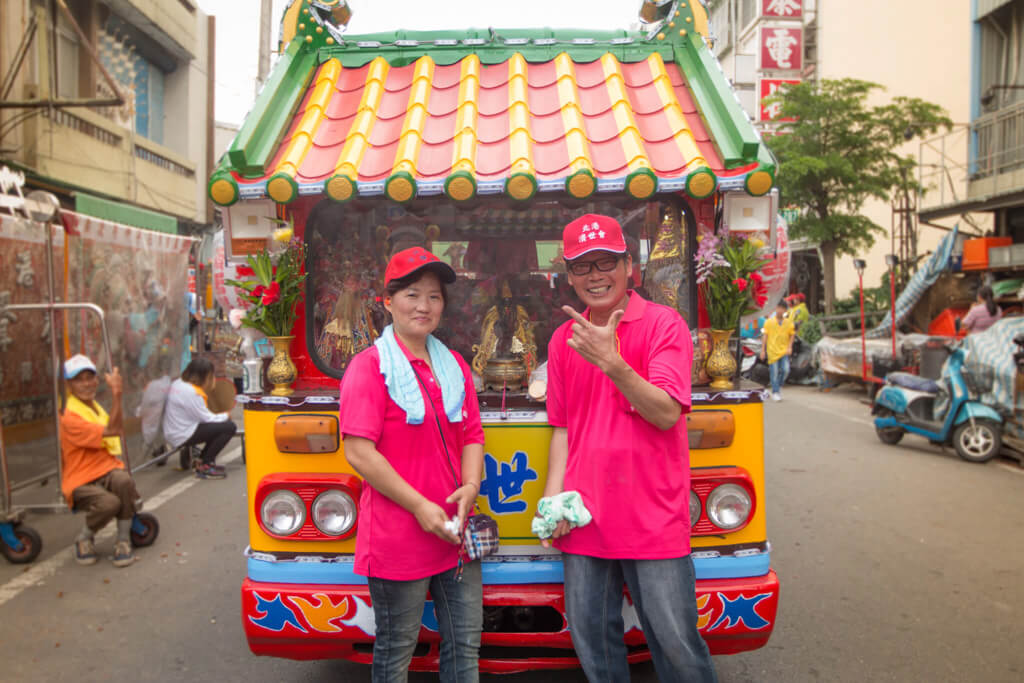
(567, 505)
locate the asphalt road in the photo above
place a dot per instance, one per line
(897, 564)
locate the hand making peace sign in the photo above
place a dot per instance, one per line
(598, 344)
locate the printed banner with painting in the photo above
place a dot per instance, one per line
(139, 279)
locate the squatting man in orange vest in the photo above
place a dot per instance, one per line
(94, 479)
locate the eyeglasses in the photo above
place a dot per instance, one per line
(603, 264)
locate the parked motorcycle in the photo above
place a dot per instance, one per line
(941, 411)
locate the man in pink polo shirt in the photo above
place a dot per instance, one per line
(618, 385)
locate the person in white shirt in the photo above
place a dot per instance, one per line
(188, 421)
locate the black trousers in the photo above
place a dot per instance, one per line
(215, 436)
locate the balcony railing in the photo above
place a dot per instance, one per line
(942, 168)
(999, 142)
(972, 163)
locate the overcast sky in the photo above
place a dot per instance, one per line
(238, 29)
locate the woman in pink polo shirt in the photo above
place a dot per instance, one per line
(411, 424)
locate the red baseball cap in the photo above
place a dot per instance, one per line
(408, 261)
(592, 232)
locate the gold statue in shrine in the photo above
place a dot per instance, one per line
(350, 329)
(507, 352)
(666, 267)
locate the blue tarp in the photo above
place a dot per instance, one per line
(990, 363)
(918, 285)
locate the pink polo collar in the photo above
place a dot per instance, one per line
(634, 308)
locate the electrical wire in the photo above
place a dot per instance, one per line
(17, 120)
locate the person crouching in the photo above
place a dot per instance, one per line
(189, 422)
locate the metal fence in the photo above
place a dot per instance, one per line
(943, 170)
(999, 142)
(848, 324)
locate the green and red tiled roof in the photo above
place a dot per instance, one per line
(424, 114)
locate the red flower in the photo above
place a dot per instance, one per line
(760, 299)
(741, 284)
(270, 294)
(756, 277)
(244, 271)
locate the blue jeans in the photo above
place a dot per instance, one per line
(778, 372)
(664, 594)
(398, 610)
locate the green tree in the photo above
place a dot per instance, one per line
(839, 151)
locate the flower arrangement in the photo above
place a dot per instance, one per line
(728, 274)
(274, 294)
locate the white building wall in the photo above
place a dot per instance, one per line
(913, 48)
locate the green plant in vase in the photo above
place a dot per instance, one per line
(731, 286)
(273, 296)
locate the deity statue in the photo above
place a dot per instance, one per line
(507, 352)
(666, 268)
(350, 329)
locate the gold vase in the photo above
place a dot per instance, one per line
(281, 372)
(721, 365)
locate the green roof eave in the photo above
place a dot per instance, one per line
(492, 46)
(730, 129)
(767, 159)
(257, 141)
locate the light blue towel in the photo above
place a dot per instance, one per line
(404, 388)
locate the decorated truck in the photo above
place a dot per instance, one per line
(480, 146)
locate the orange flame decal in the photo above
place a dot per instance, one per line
(319, 616)
(703, 618)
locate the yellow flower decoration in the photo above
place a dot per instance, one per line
(284, 235)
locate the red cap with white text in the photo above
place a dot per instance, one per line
(592, 232)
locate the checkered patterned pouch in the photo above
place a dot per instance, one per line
(480, 538)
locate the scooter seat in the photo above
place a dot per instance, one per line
(915, 382)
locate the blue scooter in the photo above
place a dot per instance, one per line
(943, 412)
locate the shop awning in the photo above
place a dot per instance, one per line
(418, 115)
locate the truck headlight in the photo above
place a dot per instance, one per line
(334, 512)
(694, 508)
(283, 512)
(728, 506)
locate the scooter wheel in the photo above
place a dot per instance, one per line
(145, 538)
(980, 442)
(31, 546)
(889, 435)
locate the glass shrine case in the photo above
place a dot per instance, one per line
(511, 284)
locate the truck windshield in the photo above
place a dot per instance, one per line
(511, 282)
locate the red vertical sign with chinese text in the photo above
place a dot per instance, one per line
(782, 9)
(782, 48)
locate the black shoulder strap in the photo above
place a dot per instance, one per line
(440, 432)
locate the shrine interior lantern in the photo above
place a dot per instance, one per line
(746, 214)
(248, 226)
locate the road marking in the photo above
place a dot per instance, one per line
(835, 414)
(49, 567)
(1016, 469)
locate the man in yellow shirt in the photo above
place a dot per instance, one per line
(777, 346)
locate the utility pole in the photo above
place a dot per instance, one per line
(263, 66)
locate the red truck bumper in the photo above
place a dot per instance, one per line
(525, 626)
